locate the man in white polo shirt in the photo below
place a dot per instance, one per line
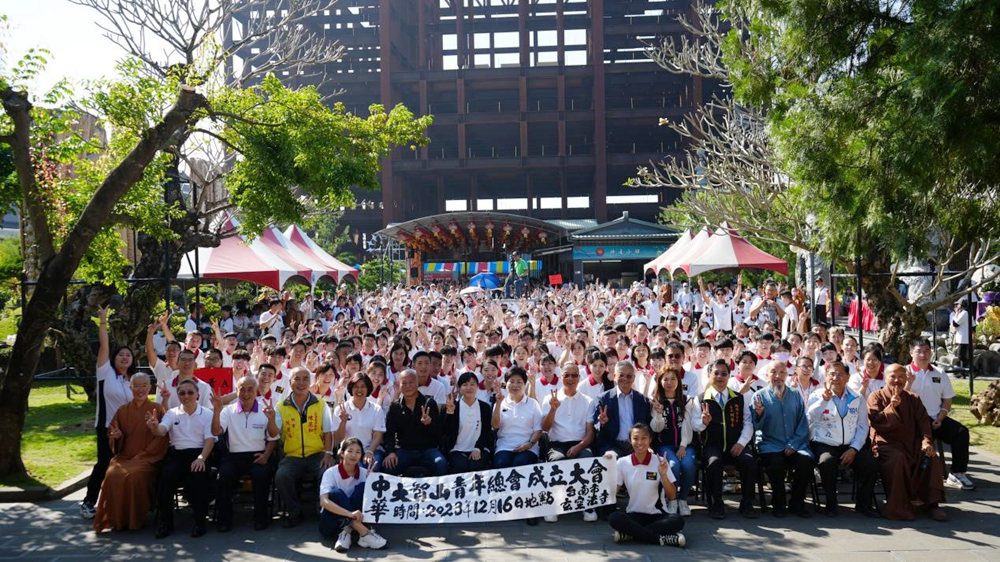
(934, 388)
(566, 418)
(191, 442)
(253, 434)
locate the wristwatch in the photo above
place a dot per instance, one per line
(201, 458)
(329, 453)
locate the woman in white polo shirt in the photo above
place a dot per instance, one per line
(340, 495)
(649, 482)
(362, 418)
(518, 422)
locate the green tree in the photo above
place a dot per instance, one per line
(857, 129)
(289, 151)
(376, 274)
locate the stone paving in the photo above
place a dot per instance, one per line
(54, 531)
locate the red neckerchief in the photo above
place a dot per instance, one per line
(555, 380)
(372, 354)
(880, 375)
(739, 377)
(278, 375)
(697, 366)
(915, 369)
(762, 358)
(375, 392)
(343, 472)
(266, 396)
(636, 462)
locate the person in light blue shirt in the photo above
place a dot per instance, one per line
(783, 440)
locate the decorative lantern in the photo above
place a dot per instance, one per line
(542, 235)
(489, 229)
(472, 229)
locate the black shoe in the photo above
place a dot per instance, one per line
(747, 510)
(802, 512)
(779, 512)
(198, 530)
(533, 521)
(261, 525)
(292, 521)
(830, 511)
(224, 527)
(867, 511)
(163, 531)
(717, 512)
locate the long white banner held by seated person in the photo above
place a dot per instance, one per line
(520, 492)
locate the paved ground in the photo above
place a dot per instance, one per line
(54, 531)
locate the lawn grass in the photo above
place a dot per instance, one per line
(58, 442)
(986, 437)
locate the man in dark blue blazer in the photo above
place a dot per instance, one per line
(618, 410)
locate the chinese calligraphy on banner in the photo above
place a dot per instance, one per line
(491, 495)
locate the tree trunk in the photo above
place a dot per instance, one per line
(41, 310)
(898, 323)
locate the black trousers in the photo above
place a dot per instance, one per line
(714, 460)
(232, 467)
(864, 467)
(645, 527)
(176, 471)
(776, 465)
(956, 435)
(459, 462)
(100, 467)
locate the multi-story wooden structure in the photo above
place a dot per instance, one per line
(541, 107)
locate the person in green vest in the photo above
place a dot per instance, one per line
(307, 429)
(518, 276)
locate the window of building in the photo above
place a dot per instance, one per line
(512, 204)
(484, 204)
(632, 199)
(456, 205)
(578, 202)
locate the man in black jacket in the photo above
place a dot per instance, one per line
(618, 410)
(413, 431)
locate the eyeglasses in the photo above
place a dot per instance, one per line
(674, 356)
(185, 392)
(571, 375)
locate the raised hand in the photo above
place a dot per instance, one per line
(164, 391)
(657, 406)
(602, 415)
(269, 412)
(664, 466)
(497, 390)
(827, 392)
(706, 415)
(449, 406)
(164, 318)
(554, 400)
(425, 416)
(151, 422)
(216, 402)
(342, 413)
(758, 405)
(113, 431)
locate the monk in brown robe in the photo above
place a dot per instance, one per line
(901, 441)
(127, 492)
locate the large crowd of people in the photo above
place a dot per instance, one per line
(428, 381)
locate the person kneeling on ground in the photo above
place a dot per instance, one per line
(650, 483)
(340, 495)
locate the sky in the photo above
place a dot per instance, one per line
(78, 48)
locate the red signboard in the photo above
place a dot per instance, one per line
(219, 378)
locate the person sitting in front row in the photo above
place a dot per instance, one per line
(726, 430)
(650, 483)
(341, 492)
(903, 445)
(468, 428)
(619, 409)
(413, 431)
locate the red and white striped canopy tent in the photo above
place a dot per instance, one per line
(686, 253)
(302, 240)
(728, 250)
(284, 248)
(662, 261)
(237, 258)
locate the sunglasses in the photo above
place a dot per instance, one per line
(674, 355)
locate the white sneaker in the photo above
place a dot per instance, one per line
(672, 507)
(551, 518)
(677, 540)
(87, 511)
(967, 484)
(343, 540)
(683, 508)
(953, 482)
(372, 540)
(620, 537)
(590, 516)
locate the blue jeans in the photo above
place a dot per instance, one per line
(330, 524)
(684, 469)
(507, 459)
(431, 459)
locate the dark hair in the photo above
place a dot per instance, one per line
(278, 350)
(348, 442)
(324, 367)
(130, 370)
(190, 382)
(516, 372)
(466, 377)
(874, 348)
(420, 354)
(356, 357)
(920, 342)
(658, 392)
(597, 355)
(406, 353)
(750, 354)
(722, 363)
(643, 428)
(362, 378)
(241, 354)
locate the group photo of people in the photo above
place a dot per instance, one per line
(715, 400)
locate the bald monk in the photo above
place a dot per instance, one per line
(902, 444)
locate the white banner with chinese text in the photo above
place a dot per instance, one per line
(491, 495)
